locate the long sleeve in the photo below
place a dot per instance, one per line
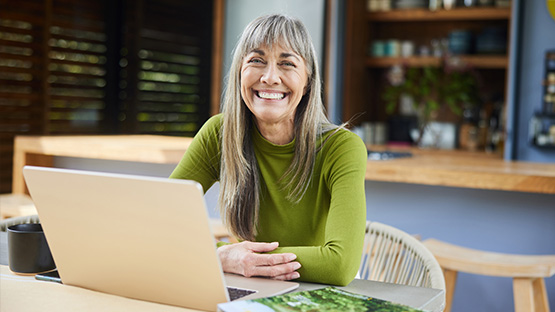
(201, 161)
(326, 228)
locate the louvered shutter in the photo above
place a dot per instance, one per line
(22, 77)
(77, 67)
(102, 67)
(166, 67)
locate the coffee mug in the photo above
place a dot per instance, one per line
(28, 251)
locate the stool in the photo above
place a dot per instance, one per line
(528, 272)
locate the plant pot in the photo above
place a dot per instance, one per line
(448, 4)
(439, 135)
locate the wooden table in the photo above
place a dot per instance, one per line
(24, 293)
(41, 150)
(427, 167)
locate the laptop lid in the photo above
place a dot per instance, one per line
(134, 236)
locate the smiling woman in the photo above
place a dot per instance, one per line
(291, 183)
(273, 81)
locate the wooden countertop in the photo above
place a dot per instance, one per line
(455, 168)
(427, 167)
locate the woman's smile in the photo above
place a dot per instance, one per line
(270, 95)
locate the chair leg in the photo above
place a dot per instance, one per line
(540, 295)
(530, 295)
(450, 281)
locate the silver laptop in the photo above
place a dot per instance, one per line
(139, 237)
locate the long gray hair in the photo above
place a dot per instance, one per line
(239, 177)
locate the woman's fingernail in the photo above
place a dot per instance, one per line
(292, 257)
(297, 266)
(296, 275)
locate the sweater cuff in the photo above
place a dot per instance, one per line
(220, 244)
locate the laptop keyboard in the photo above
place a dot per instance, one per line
(236, 293)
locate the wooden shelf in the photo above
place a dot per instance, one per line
(363, 74)
(490, 13)
(478, 61)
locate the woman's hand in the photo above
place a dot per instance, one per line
(245, 258)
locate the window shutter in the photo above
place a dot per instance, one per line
(103, 67)
(167, 67)
(22, 77)
(77, 67)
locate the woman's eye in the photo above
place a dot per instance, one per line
(288, 64)
(255, 60)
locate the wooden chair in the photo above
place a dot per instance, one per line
(220, 232)
(393, 256)
(15, 205)
(528, 272)
(4, 224)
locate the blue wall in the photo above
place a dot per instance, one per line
(537, 34)
(499, 221)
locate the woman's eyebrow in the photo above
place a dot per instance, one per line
(258, 51)
(286, 55)
(282, 55)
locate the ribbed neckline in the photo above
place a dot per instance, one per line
(263, 144)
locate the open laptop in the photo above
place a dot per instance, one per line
(134, 236)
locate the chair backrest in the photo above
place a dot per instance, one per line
(393, 256)
(4, 224)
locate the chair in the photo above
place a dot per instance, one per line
(4, 224)
(393, 256)
(527, 271)
(15, 205)
(220, 232)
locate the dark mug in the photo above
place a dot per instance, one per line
(28, 251)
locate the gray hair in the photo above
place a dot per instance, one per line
(239, 177)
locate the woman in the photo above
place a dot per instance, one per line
(291, 183)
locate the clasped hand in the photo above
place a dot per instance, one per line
(249, 259)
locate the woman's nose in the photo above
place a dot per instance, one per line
(271, 75)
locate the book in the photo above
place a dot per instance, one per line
(323, 299)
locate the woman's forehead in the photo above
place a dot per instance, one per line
(264, 49)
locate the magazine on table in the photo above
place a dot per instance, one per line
(323, 299)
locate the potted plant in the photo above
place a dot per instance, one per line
(452, 84)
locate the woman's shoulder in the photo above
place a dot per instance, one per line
(343, 148)
(341, 136)
(214, 121)
(212, 126)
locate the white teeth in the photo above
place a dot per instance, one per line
(271, 96)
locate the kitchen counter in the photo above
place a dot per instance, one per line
(428, 167)
(465, 169)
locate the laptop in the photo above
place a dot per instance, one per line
(139, 237)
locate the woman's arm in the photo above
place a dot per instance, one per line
(201, 163)
(337, 260)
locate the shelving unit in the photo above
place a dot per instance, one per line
(475, 13)
(538, 136)
(542, 125)
(364, 75)
(477, 61)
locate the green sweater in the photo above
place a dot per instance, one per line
(326, 228)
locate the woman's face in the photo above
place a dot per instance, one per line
(273, 82)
